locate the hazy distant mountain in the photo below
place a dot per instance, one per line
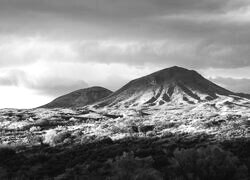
(79, 98)
(175, 85)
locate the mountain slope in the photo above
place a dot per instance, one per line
(79, 98)
(175, 85)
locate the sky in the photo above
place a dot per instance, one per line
(52, 47)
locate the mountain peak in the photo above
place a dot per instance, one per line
(177, 68)
(79, 98)
(174, 72)
(170, 85)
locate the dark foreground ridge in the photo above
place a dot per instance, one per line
(79, 98)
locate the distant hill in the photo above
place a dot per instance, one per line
(175, 85)
(79, 98)
(170, 85)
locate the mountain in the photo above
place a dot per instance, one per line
(175, 84)
(79, 98)
(244, 95)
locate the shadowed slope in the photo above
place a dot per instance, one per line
(79, 98)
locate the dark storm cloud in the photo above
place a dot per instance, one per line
(197, 33)
(236, 85)
(120, 8)
(114, 13)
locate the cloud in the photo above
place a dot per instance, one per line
(236, 85)
(12, 78)
(56, 86)
(21, 51)
(193, 33)
(50, 86)
(120, 8)
(60, 44)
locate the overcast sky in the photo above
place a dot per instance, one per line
(51, 47)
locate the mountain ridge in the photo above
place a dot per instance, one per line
(174, 84)
(79, 98)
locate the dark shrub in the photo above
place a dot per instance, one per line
(43, 122)
(6, 152)
(127, 167)
(134, 129)
(146, 128)
(60, 137)
(205, 164)
(3, 173)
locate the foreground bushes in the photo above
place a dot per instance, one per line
(6, 153)
(186, 164)
(205, 164)
(134, 159)
(52, 137)
(129, 167)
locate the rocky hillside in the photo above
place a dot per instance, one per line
(79, 98)
(176, 85)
